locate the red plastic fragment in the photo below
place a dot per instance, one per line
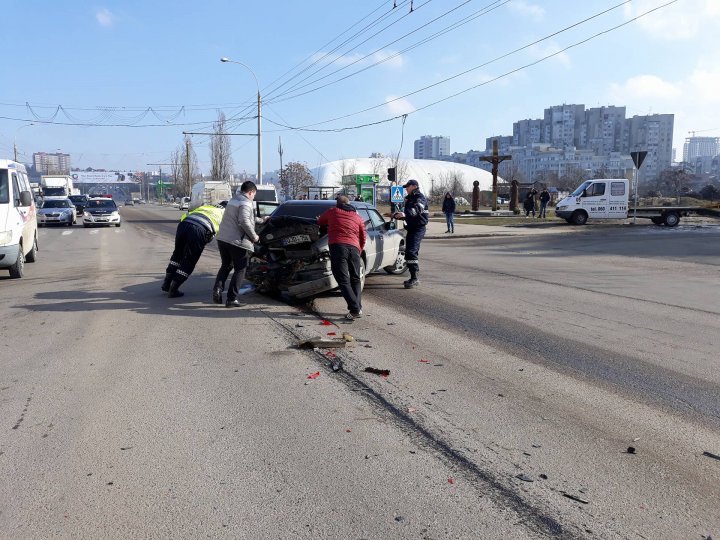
(424, 361)
(332, 334)
(325, 322)
(314, 375)
(451, 480)
(348, 431)
(331, 354)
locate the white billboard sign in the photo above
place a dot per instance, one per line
(103, 177)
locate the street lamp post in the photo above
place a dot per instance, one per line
(259, 116)
(15, 138)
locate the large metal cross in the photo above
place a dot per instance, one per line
(495, 159)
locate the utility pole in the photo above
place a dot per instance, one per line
(495, 159)
(280, 151)
(161, 185)
(187, 161)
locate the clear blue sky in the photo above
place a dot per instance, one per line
(106, 61)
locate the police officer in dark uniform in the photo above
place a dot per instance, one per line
(416, 217)
(196, 229)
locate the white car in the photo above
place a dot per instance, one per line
(184, 203)
(293, 255)
(101, 211)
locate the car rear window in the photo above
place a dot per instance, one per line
(301, 210)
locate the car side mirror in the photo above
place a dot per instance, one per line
(390, 226)
(25, 198)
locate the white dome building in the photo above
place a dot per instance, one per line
(427, 172)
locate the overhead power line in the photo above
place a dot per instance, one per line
(308, 127)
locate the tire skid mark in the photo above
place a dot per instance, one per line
(531, 517)
(22, 414)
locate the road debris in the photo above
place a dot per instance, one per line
(574, 498)
(711, 455)
(399, 519)
(630, 450)
(451, 480)
(314, 375)
(376, 371)
(298, 325)
(411, 409)
(544, 476)
(125, 447)
(332, 334)
(524, 478)
(424, 361)
(325, 322)
(347, 337)
(536, 445)
(322, 343)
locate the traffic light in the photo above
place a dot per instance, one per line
(391, 174)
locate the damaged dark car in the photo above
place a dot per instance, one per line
(292, 256)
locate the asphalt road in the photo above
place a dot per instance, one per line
(521, 371)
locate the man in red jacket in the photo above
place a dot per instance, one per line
(346, 238)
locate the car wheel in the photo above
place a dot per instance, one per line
(400, 266)
(579, 217)
(671, 219)
(117, 224)
(17, 270)
(32, 256)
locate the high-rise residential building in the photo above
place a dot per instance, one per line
(429, 147)
(504, 143)
(528, 132)
(696, 147)
(563, 125)
(652, 133)
(603, 129)
(57, 163)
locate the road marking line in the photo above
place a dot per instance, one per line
(65, 233)
(95, 231)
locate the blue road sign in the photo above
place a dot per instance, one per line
(397, 194)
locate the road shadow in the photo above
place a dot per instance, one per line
(147, 299)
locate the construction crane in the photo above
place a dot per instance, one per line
(692, 133)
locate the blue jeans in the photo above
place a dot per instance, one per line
(450, 219)
(543, 208)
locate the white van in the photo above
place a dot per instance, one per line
(211, 192)
(18, 219)
(266, 193)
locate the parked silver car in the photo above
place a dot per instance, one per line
(293, 255)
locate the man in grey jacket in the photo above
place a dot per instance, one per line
(235, 240)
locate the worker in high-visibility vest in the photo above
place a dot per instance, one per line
(195, 231)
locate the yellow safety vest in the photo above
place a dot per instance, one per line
(213, 216)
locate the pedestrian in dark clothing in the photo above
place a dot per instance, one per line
(416, 217)
(544, 200)
(448, 208)
(195, 231)
(529, 203)
(346, 238)
(235, 241)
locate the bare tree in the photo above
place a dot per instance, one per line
(295, 178)
(220, 153)
(377, 162)
(188, 168)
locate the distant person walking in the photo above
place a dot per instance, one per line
(195, 231)
(235, 241)
(529, 203)
(346, 238)
(416, 218)
(544, 200)
(448, 208)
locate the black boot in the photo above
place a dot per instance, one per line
(165, 287)
(217, 293)
(412, 282)
(174, 292)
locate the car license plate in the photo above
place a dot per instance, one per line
(297, 239)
